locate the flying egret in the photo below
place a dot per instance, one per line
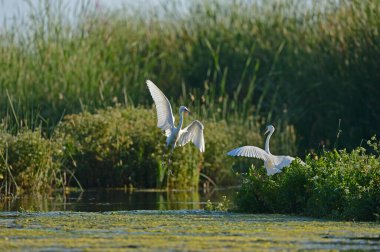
(165, 120)
(272, 163)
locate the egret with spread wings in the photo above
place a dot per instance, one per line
(273, 164)
(175, 136)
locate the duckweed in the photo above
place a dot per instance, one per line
(180, 230)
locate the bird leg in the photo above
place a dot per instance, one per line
(163, 159)
(170, 173)
(170, 155)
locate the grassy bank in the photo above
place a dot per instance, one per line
(335, 184)
(283, 61)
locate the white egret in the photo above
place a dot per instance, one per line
(165, 120)
(273, 164)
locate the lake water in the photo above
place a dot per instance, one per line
(116, 200)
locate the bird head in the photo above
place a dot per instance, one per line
(269, 128)
(184, 109)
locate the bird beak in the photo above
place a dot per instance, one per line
(266, 131)
(188, 112)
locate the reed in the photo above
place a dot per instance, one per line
(278, 61)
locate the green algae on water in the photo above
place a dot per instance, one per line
(179, 230)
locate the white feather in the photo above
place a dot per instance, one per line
(165, 121)
(273, 164)
(194, 133)
(249, 151)
(165, 118)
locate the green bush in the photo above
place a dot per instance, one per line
(118, 147)
(29, 162)
(220, 137)
(123, 146)
(338, 184)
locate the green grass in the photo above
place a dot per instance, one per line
(308, 66)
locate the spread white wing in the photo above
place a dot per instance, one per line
(165, 118)
(194, 133)
(249, 151)
(284, 161)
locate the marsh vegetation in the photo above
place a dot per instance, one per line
(335, 184)
(76, 111)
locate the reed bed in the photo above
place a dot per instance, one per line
(308, 65)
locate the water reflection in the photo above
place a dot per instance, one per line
(115, 200)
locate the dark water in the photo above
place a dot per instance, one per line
(115, 200)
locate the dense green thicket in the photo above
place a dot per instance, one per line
(336, 184)
(29, 162)
(123, 146)
(308, 65)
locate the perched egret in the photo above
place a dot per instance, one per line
(165, 120)
(272, 163)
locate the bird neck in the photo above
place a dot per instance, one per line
(180, 120)
(267, 142)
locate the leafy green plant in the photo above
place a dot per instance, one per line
(336, 184)
(123, 146)
(29, 162)
(224, 205)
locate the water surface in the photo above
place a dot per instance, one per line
(116, 200)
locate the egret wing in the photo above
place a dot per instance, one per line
(194, 133)
(284, 161)
(165, 118)
(249, 151)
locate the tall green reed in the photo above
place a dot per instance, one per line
(239, 61)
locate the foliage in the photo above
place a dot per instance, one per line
(29, 162)
(224, 205)
(117, 147)
(221, 137)
(237, 60)
(122, 146)
(337, 184)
